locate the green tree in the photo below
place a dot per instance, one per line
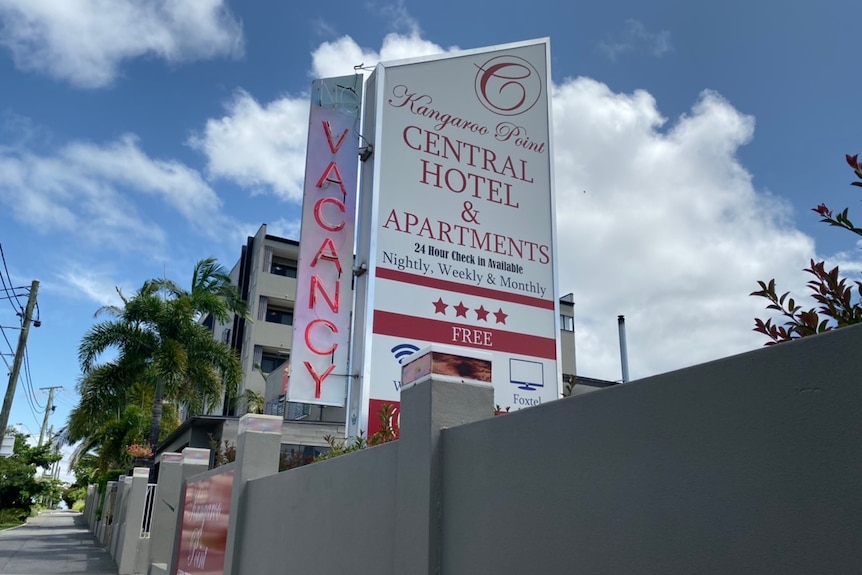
(72, 494)
(838, 299)
(85, 470)
(19, 486)
(161, 344)
(110, 417)
(252, 401)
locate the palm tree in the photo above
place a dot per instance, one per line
(161, 344)
(110, 417)
(252, 401)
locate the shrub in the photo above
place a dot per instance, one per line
(839, 300)
(12, 517)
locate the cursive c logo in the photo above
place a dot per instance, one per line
(508, 85)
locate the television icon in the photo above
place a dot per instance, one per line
(526, 374)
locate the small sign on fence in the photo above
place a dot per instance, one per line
(203, 536)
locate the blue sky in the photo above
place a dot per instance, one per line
(691, 142)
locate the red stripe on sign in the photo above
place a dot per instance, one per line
(409, 327)
(404, 277)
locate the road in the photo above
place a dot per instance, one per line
(54, 543)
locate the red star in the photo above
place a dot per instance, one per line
(439, 306)
(501, 317)
(481, 313)
(461, 310)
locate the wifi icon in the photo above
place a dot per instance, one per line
(403, 350)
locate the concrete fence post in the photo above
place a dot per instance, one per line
(93, 506)
(101, 525)
(130, 530)
(165, 510)
(428, 406)
(174, 469)
(258, 446)
(89, 503)
(119, 515)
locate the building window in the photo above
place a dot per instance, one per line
(283, 267)
(269, 363)
(282, 316)
(297, 411)
(567, 323)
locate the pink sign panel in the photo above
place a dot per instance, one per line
(203, 536)
(321, 317)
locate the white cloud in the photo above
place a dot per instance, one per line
(261, 147)
(635, 37)
(124, 163)
(284, 228)
(94, 285)
(664, 227)
(338, 58)
(84, 42)
(93, 192)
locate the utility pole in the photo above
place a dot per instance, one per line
(49, 409)
(19, 358)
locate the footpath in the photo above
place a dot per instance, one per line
(54, 543)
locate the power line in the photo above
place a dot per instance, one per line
(33, 410)
(19, 356)
(65, 402)
(10, 294)
(14, 295)
(9, 343)
(9, 288)
(29, 394)
(28, 381)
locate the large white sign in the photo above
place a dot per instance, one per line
(321, 324)
(461, 250)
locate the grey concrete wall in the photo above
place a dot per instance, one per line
(334, 516)
(751, 464)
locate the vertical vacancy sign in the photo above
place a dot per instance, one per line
(323, 294)
(462, 244)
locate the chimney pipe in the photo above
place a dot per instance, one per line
(624, 354)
